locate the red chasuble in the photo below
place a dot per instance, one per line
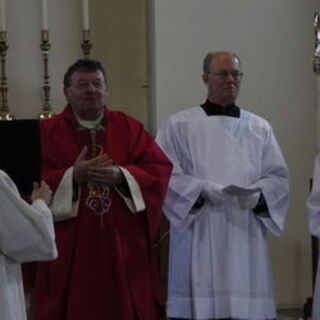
(106, 266)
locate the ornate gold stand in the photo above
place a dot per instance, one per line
(45, 46)
(4, 108)
(86, 43)
(316, 58)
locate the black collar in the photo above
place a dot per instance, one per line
(213, 109)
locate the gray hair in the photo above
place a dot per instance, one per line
(211, 55)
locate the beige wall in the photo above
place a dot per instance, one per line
(119, 35)
(274, 39)
(275, 42)
(119, 41)
(24, 58)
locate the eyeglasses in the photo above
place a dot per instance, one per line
(226, 73)
(85, 85)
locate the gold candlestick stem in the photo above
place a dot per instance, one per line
(45, 46)
(316, 57)
(86, 43)
(316, 70)
(4, 108)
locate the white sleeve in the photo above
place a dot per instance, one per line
(135, 203)
(274, 184)
(183, 190)
(62, 205)
(26, 232)
(313, 201)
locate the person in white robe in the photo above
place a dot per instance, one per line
(26, 234)
(313, 212)
(228, 189)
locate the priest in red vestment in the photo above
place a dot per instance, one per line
(109, 180)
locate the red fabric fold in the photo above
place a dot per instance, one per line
(106, 265)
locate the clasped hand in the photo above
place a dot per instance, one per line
(41, 191)
(99, 171)
(217, 195)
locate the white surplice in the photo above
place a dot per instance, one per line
(218, 259)
(26, 234)
(313, 211)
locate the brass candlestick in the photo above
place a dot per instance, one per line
(45, 46)
(316, 57)
(86, 43)
(316, 70)
(4, 109)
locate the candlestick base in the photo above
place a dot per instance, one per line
(6, 115)
(45, 114)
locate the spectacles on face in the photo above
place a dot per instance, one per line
(85, 85)
(226, 73)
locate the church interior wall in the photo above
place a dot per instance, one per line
(153, 53)
(275, 41)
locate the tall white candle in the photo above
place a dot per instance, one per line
(85, 15)
(3, 15)
(44, 14)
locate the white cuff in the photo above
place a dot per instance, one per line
(62, 206)
(41, 206)
(214, 192)
(249, 201)
(136, 203)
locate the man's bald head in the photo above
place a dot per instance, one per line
(222, 76)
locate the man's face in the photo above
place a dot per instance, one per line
(87, 94)
(224, 79)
